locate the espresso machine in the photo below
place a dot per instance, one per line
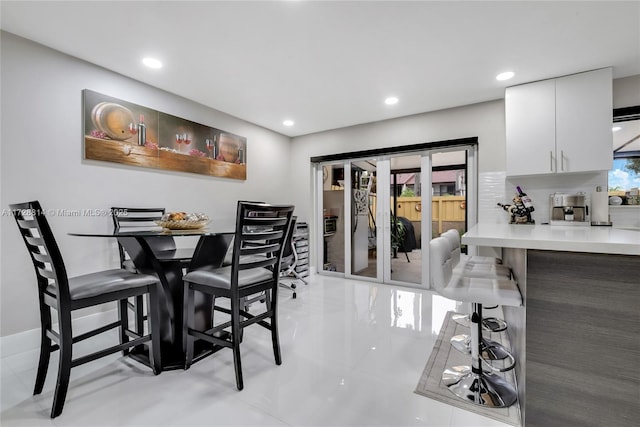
(569, 209)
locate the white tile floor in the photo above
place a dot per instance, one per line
(352, 355)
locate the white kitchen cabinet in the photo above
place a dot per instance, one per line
(531, 128)
(560, 125)
(584, 116)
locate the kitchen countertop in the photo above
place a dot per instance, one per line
(605, 240)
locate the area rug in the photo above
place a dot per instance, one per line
(443, 356)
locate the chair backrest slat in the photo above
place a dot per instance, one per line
(264, 221)
(48, 264)
(38, 256)
(123, 220)
(34, 241)
(124, 216)
(262, 249)
(27, 223)
(262, 235)
(44, 272)
(258, 262)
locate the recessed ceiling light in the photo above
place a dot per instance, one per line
(391, 100)
(152, 63)
(616, 128)
(288, 123)
(505, 76)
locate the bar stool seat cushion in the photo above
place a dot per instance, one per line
(447, 280)
(486, 291)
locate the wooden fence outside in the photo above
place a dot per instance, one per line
(444, 209)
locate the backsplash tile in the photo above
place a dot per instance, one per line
(491, 190)
(625, 216)
(539, 188)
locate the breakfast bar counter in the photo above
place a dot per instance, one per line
(605, 240)
(577, 336)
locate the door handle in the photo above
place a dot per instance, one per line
(551, 160)
(562, 160)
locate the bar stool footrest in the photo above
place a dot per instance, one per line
(485, 389)
(489, 349)
(491, 324)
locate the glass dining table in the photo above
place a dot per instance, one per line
(167, 265)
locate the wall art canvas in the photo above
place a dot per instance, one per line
(122, 132)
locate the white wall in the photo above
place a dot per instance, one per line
(41, 158)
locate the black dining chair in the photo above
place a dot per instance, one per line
(128, 219)
(57, 291)
(257, 251)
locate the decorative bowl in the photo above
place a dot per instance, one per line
(183, 225)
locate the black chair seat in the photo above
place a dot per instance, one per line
(221, 277)
(104, 282)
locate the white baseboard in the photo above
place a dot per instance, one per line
(30, 340)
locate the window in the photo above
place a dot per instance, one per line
(624, 177)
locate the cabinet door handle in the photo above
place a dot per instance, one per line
(551, 160)
(562, 160)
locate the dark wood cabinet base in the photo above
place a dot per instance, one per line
(580, 358)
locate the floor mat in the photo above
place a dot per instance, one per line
(443, 356)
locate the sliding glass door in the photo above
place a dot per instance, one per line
(378, 214)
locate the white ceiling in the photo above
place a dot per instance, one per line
(327, 65)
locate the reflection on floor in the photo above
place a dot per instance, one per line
(406, 267)
(352, 355)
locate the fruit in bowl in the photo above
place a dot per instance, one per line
(183, 220)
(174, 216)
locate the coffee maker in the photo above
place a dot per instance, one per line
(569, 209)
